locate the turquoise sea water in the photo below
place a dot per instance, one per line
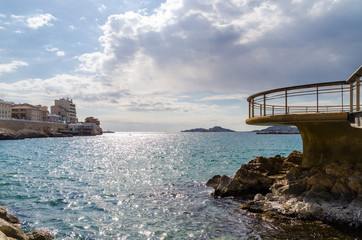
(135, 185)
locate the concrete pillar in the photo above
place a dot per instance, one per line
(326, 142)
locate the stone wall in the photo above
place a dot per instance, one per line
(17, 125)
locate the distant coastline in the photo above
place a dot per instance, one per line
(278, 130)
(213, 129)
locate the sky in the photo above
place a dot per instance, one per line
(170, 65)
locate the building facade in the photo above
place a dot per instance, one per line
(29, 112)
(65, 108)
(92, 120)
(5, 110)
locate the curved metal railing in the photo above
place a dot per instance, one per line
(341, 96)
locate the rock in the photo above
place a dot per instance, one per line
(332, 194)
(7, 134)
(341, 190)
(258, 197)
(214, 181)
(8, 217)
(219, 183)
(295, 157)
(39, 235)
(28, 133)
(355, 183)
(321, 182)
(12, 230)
(292, 189)
(3, 236)
(340, 169)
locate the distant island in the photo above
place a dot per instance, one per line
(278, 130)
(214, 129)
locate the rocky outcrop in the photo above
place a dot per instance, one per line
(279, 185)
(10, 229)
(255, 177)
(7, 134)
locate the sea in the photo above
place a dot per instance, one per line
(141, 186)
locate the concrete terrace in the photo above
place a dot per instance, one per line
(328, 116)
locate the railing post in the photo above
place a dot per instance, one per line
(358, 94)
(272, 110)
(317, 99)
(351, 97)
(249, 109)
(252, 107)
(264, 106)
(286, 101)
(261, 110)
(342, 95)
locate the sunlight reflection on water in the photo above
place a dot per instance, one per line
(132, 186)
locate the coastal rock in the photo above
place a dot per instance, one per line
(12, 230)
(219, 183)
(7, 134)
(280, 186)
(3, 236)
(39, 235)
(8, 217)
(9, 230)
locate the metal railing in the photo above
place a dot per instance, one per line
(341, 96)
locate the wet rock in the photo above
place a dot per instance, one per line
(12, 230)
(39, 235)
(219, 183)
(214, 181)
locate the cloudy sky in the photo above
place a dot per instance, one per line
(168, 65)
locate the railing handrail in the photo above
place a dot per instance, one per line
(322, 84)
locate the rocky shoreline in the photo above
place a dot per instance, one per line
(8, 134)
(280, 187)
(10, 229)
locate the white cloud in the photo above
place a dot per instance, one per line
(225, 97)
(2, 15)
(17, 16)
(223, 45)
(102, 8)
(11, 67)
(40, 21)
(220, 49)
(56, 50)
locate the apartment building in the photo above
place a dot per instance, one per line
(65, 108)
(29, 112)
(5, 110)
